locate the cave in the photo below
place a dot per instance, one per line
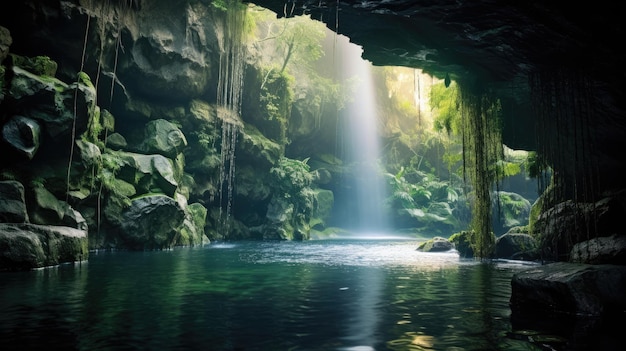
(129, 91)
(517, 51)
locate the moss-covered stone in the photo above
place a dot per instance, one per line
(151, 222)
(462, 242)
(27, 246)
(38, 65)
(164, 138)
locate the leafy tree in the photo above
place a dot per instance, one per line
(446, 111)
(298, 41)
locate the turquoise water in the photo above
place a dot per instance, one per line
(318, 295)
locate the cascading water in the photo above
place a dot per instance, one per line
(362, 150)
(229, 87)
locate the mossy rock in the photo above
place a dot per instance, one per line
(462, 241)
(39, 65)
(436, 244)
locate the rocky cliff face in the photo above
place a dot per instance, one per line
(108, 112)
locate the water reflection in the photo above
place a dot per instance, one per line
(314, 296)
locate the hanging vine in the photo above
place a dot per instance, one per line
(482, 149)
(563, 104)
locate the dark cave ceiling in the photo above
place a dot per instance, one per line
(493, 41)
(486, 44)
(500, 46)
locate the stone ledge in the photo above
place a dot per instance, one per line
(26, 246)
(571, 288)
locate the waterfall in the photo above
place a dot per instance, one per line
(229, 88)
(362, 151)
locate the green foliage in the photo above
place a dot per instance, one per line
(418, 196)
(505, 169)
(275, 101)
(445, 108)
(292, 180)
(535, 165)
(298, 42)
(39, 65)
(276, 94)
(223, 5)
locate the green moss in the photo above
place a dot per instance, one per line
(38, 65)
(83, 78)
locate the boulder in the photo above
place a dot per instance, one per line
(116, 141)
(26, 246)
(89, 153)
(436, 244)
(22, 135)
(570, 222)
(462, 242)
(148, 172)
(151, 222)
(52, 102)
(602, 250)
(12, 203)
(516, 246)
(191, 232)
(164, 138)
(570, 288)
(46, 209)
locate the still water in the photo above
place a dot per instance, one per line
(319, 295)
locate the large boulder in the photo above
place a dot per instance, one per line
(569, 222)
(191, 232)
(46, 209)
(27, 246)
(516, 246)
(151, 222)
(164, 138)
(602, 250)
(570, 288)
(149, 173)
(52, 102)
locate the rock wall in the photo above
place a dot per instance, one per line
(109, 120)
